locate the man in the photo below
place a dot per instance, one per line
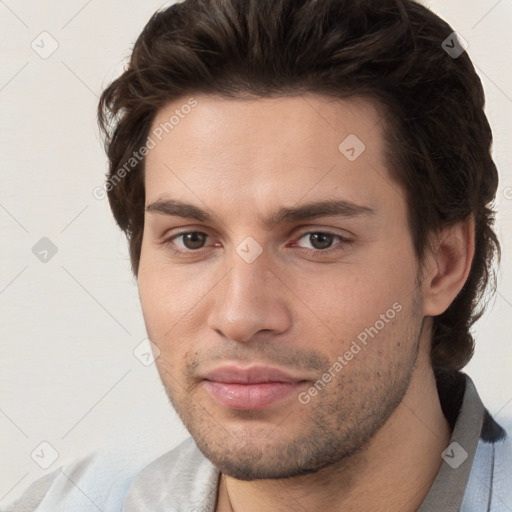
(306, 188)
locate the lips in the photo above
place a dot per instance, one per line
(250, 375)
(251, 388)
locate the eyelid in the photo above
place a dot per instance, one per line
(325, 231)
(304, 230)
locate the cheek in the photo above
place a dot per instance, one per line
(161, 303)
(171, 298)
(164, 317)
(350, 298)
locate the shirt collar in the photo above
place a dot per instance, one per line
(447, 491)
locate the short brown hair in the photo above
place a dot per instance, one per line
(391, 51)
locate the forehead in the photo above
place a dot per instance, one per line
(257, 150)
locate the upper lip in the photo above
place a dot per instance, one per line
(232, 374)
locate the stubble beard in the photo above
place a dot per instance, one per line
(341, 420)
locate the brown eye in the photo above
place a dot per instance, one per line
(192, 240)
(319, 243)
(321, 240)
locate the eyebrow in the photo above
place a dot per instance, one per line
(328, 208)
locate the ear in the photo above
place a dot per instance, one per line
(447, 265)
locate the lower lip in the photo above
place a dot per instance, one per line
(250, 396)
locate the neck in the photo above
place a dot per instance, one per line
(394, 471)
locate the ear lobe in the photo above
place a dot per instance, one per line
(449, 264)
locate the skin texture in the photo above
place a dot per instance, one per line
(371, 438)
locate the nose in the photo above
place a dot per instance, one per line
(249, 299)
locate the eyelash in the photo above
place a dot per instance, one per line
(168, 242)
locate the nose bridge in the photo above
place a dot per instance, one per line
(248, 299)
(248, 277)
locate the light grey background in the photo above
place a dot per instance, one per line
(69, 326)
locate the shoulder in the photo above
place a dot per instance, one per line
(502, 464)
(98, 481)
(116, 479)
(490, 483)
(182, 477)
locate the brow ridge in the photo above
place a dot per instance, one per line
(327, 208)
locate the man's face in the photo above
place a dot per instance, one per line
(284, 346)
